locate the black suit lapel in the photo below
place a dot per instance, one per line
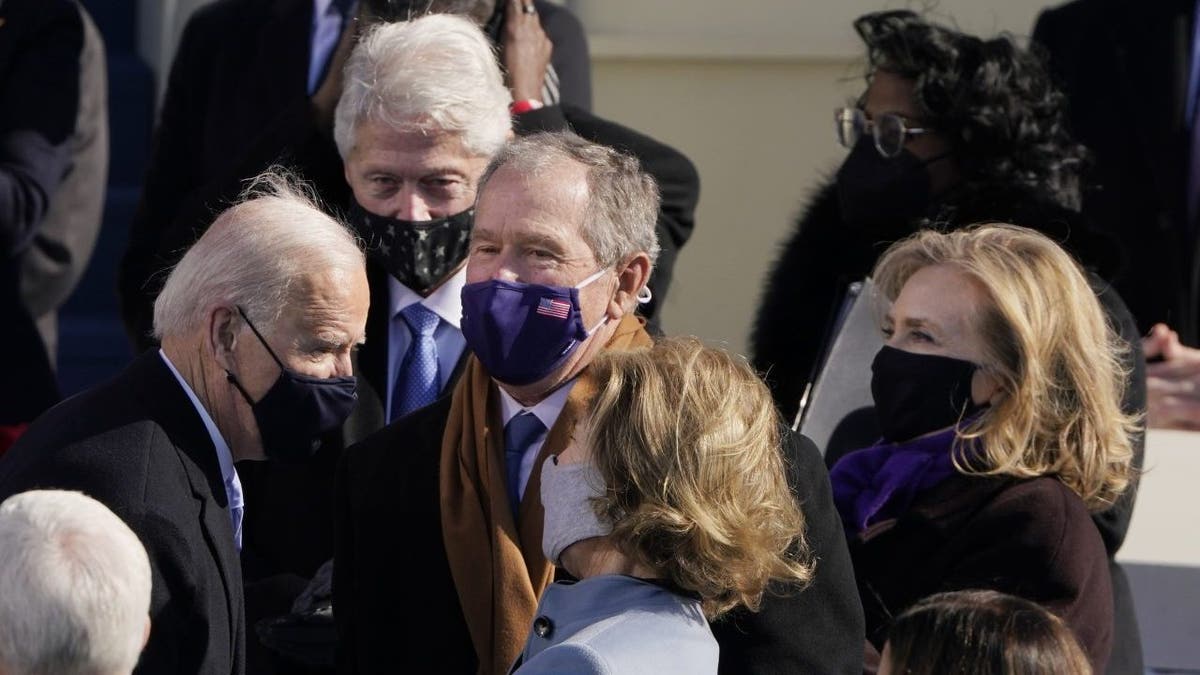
(373, 356)
(370, 365)
(168, 404)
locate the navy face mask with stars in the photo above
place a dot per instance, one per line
(419, 253)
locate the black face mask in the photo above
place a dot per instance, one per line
(916, 394)
(420, 254)
(297, 409)
(883, 195)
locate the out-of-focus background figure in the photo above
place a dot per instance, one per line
(53, 165)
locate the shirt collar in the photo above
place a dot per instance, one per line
(446, 301)
(224, 456)
(547, 410)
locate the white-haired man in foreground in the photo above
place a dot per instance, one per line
(256, 322)
(74, 587)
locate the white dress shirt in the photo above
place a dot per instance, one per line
(233, 484)
(446, 302)
(547, 411)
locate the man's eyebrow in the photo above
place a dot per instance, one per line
(386, 168)
(478, 234)
(920, 322)
(543, 240)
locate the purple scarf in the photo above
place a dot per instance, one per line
(880, 482)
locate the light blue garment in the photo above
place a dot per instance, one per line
(329, 17)
(613, 624)
(450, 342)
(229, 475)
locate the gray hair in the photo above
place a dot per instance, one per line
(254, 255)
(433, 74)
(74, 587)
(622, 208)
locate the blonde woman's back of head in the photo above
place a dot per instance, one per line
(688, 440)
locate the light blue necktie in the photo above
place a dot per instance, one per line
(520, 432)
(417, 382)
(233, 490)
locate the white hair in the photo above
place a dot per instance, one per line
(74, 587)
(434, 74)
(621, 215)
(253, 255)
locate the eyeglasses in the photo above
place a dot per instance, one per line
(889, 131)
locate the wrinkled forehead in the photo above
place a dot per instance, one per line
(327, 302)
(554, 195)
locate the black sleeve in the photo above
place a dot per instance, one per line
(344, 613)
(803, 290)
(39, 100)
(169, 177)
(1114, 521)
(820, 629)
(571, 58)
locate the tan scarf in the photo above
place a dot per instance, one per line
(499, 574)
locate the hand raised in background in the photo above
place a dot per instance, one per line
(1172, 381)
(525, 50)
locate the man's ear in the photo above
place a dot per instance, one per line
(223, 325)
(632, 276)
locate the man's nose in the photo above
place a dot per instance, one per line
(506, 269)
(411, 205)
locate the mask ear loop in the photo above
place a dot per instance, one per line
(261, 338)
(233, 378)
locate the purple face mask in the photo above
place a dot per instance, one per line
(523, 332)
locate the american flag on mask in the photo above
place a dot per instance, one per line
(554, 307)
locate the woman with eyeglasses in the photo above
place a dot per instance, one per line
(951, 130)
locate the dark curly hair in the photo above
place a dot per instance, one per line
(991, 99)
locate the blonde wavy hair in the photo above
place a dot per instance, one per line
(1048, 342)
(688, 442)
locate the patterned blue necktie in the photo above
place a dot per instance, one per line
(417, 381)
(520, 432)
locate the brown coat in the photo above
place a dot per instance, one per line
(1033, 538)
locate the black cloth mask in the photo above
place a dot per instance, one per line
(298, 409)
(883, 195)
(916, 394)
(419, 253)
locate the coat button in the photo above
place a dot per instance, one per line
(543, 627)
